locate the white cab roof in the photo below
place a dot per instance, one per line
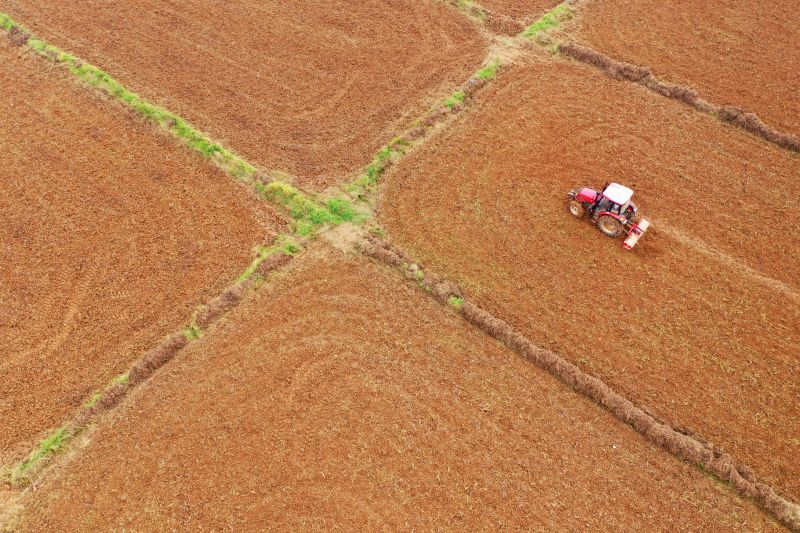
(619, 194)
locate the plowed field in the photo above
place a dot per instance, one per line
(520, 11)
(735, 52)
(699, 323)
(340, 397)
(310, 88)
(110, 235)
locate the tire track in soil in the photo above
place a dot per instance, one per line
(51, 343)
(727, 260)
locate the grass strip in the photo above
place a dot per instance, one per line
(488, 72)
(46, 448)
(283, 244)
(552, 19)
(399, 146)
(370, 176)
(309, 215)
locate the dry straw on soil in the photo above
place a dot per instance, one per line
(688, 448)
(625, 71)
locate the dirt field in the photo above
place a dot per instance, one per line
(699, 323)
(110, 236)
(523, 12)
(734, 52)
(313, 89)
(340, 397)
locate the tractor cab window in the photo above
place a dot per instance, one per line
(607, 205)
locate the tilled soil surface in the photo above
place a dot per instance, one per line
(341, 397)
(699, 322)
(522, 12)
(309, 88)
(735, 52)
(110, 235)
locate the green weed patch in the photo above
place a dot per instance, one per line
(309, 215)
(455, 99)
(46, 448)
(283, 244)
(551, 19)
(381, 160)
(192, 332)
(456, 302)
(489, 72)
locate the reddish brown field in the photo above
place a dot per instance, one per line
(341, 397)
(699, 323)
(309, 88)
(735, 52)
(110, 235)
(521, 11)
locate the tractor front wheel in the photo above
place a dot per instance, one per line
(577, 209)
(609, 226)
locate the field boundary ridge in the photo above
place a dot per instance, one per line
(643, 76)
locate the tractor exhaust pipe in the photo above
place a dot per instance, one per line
(636, 231)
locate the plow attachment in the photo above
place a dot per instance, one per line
(636, 231)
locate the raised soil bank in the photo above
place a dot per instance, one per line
(698, 323)
(341, 397)
(734, 52)
(313, 89)
(112, 234)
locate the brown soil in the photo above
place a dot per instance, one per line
(310, 88)
(523, 12)
(111, 236)
(735, 52)
(340, 397)
(699, 322)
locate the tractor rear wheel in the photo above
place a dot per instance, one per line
(576, 208)
(609, 226)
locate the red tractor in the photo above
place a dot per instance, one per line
(610, 210)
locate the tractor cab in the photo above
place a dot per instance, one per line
(615, 200)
